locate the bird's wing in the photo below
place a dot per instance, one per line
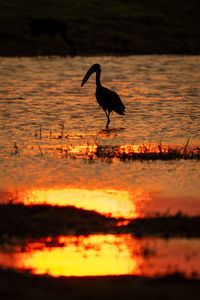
(117, 104)
(110, 100)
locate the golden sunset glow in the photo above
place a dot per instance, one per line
(108, 202)
(81, 149)
(95, 255)
(81, 256)
(128, 149)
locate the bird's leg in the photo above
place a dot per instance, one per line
(108, 117)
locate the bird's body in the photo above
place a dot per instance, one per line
(106, 98)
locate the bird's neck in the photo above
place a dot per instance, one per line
(98, 81)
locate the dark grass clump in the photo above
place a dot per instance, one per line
(143, 153)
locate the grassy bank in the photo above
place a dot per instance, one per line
(103, 27)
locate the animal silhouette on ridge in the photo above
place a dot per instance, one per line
(52, 27)
(106, 98)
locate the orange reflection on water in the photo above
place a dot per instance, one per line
(82, 149)
(80, 256)
(115, 203)
(95, 149)
(101, 255)
(94, 255)
(106, 152)
(145, 150)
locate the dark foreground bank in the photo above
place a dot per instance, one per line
(44, 220)
(100, 27)
(19, 222)
(23, 286)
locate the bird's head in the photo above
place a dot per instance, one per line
(94, 68)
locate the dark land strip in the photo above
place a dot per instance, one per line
(101, 27)
(44, 220)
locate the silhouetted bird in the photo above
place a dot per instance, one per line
(52, 27)
(107, 99)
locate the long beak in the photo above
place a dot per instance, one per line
(85, 79)
(88, 74)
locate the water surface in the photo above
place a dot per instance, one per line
(100, 255)
(44, 111)
(161, 95)
(50, 128)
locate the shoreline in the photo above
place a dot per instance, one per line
(99, 28)
(25, 285)
(9, 54)
(38, 221)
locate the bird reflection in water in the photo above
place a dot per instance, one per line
(107, 99)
